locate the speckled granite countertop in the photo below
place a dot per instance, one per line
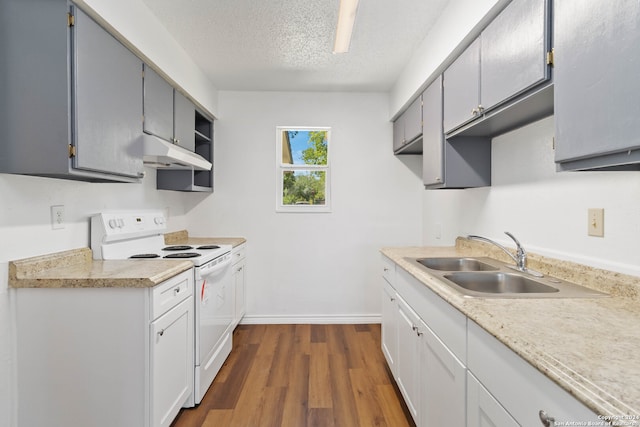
(182, 238)
(77, 269)
(589, 346)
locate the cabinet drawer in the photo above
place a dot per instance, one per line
(170, 292)
(518, 386)
(388, 269)
(239, 253)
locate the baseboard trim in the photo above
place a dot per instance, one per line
(323, 319)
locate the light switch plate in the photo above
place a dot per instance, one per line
(596, 222)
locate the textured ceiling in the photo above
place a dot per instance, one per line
(286, 44)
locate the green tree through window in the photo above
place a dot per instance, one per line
(304, 167)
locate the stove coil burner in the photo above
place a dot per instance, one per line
(177, 248)
(208, 247)
(143, 256)
(183, 255)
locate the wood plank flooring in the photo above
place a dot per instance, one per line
(301, 376)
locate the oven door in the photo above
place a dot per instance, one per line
(214, 305)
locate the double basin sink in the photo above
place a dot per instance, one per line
(489, 278)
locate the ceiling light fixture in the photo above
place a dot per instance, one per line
(346, 19)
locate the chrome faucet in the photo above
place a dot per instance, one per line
(520, 258)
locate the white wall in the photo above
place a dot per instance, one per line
(322, 265)
(460, 22)
(545, 209)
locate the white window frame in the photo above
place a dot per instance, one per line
(282, 167)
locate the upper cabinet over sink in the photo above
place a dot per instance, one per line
(501, 81)
(71, 106)
(505, 61)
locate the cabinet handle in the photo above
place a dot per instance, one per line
(480, 109)
(414, 327)
(475, 111)
(392, 299)
(161, 333)
(239, 269)
(419, 333)
(546, 419)
(385, 269)
(176, 291)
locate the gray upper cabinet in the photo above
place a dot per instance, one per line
(507, 60)
(513, 51)
(407, 129)
(107, 103)
(158, 105)
(458, 162)
(167, 113)
(597, 51)
(462, 88)
(70, 106)
(183, 122)
(432, 135)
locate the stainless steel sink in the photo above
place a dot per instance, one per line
(456, 264)
(498, 283)
(489, 278)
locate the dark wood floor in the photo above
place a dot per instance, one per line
(301, 375)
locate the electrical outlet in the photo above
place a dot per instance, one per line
(57, 217)
(596, 222)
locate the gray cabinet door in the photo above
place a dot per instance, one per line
(398, 133)
(513, 51)
(107, 103)
(462, 88)
(184, 122)
(432, 134)
(596, 84)
(413, 120)
(158, 105)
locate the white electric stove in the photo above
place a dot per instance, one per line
(140, 236)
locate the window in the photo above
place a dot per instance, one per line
(302, 169)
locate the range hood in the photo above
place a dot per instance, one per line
(158, 153)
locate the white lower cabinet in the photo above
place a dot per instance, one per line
(171, 362)
(451, 372)
(239, 282)
(104, 357)
(409, 357)
(430, 377)
(389, 339)
(442, 383)
(483, 410)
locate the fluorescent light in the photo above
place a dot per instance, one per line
(346, 19)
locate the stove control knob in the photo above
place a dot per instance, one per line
(159, 220)
(120, 223)
(113, 223)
